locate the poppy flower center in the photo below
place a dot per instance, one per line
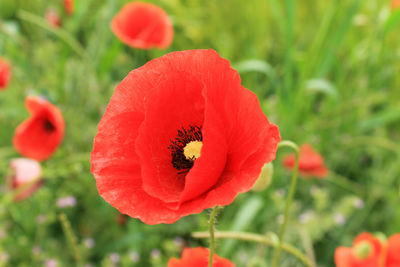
(48, 126)
(185, 148)
(362, 250)
(192, 150)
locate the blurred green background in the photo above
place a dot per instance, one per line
(326, 72)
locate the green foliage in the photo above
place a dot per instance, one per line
(326, 72)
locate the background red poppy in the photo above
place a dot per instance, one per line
(198, 257)
(347, 257)
(69, 7)
(131, 159)
(39, 136)
(393, 251)
(5, 74)
(143, 25)
(310, 162)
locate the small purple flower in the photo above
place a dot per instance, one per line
(134, 256)
(4, 257)
(358, 203)
(339, 218)
(68, 201)
(36, 250)
(155, 254)
(51, 263)
(179, 242)
(306, 216)
(115, 257)
(280, 193)
(89, 242)
(243, 256)
(41, 218)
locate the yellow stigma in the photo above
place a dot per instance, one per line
(192, 150)
(362, 250)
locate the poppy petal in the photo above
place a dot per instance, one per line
(39, 136)
(393, 251)
(143, 25)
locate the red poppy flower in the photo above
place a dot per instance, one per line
(53, 18)
(25, 176)
(38, 136)
(198, 257)
(367, 251)
(395, 4)
(69, 7)
(180, 135)
(143, 25)
(393, 251)
(5, 74)
(310, 162)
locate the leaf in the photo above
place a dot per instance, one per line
(242, 221)
(256, 65)
(322, 86)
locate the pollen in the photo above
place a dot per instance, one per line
(186, 148)
(192, 150)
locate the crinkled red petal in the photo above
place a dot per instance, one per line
(131, 160)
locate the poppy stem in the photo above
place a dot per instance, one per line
(289, 199)
(211, 229)
(62, 34)
(71, 238)
(251, 237)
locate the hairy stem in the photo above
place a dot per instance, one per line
(211, 226)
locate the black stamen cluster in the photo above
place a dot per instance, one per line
(184, 136)
(48, 126)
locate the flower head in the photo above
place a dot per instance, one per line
(39, 136)
(395, 4)
(26, 177)
(367, 250)
(139, 158)
(310, 162)
(64, 202)
(53, 18)
(143, 25)
(198, 257)
(393, 251)
(69, 7)
(5, 74)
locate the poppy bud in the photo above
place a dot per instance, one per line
(25, 177)
(53, 18)
(265, 178)
(362, 250)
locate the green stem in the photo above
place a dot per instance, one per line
(288, 200)
(71, 238)
(257, 239)
(211, 226)
(62, 34)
